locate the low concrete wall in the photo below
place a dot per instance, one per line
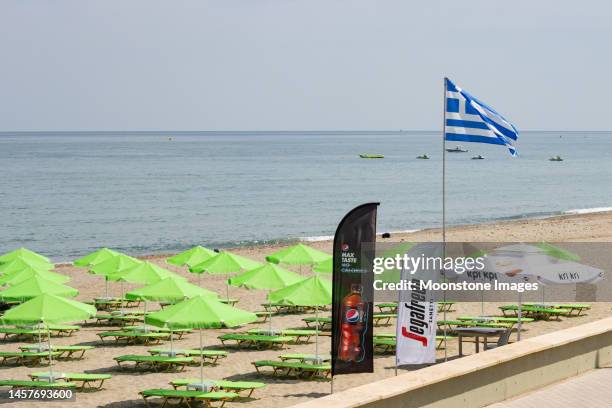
(485, 378)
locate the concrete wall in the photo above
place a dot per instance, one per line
(488, 377)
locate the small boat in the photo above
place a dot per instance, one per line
(423, 157)
(457, 149)
(371, 156)
(479, 157)
(555, 158)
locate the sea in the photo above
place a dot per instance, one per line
(65, 194)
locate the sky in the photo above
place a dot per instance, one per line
(299, 64)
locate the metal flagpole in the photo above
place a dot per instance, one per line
(444, 208)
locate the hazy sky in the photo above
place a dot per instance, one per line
(300, 64)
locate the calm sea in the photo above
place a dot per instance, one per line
(64, 194)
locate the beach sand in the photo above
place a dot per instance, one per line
(122, 390)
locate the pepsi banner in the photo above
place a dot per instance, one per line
(352, 301)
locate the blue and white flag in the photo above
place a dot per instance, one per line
(470, 120)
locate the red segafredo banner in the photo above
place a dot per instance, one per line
(352, 303)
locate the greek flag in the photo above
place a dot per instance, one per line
(470, 120)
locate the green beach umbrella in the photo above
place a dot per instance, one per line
(36, 286)
(17, 264)
(170, 290)
(299, 254)
(48, 309)
(314, 291)
(23, 253)
(95, 257)
(113, 265)
(191, 256)
(145, 273)
(326, 266)
(224, 263)
(200, 313)
(268, 276)
(14, 278)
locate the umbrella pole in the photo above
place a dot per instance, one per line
(317, 333)
(201, 361)
(105, 286)
(145, 316)
(171, 345)
(270, 317)
(50, 353)
(519, 316)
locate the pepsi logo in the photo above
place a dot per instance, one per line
(352, 316)
(344, 247)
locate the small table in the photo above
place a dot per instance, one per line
(477, 333)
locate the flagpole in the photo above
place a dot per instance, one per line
(444, 208)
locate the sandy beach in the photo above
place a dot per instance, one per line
(122, 390)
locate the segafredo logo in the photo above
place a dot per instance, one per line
(352, 316)
(417, 324)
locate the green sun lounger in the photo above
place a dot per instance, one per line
(255, 340)
(535, 312)
(451, 325)
(228, 386)
(494, 319)
(212, 355)
(66, 351)
(117, 320)
(293, 369)
(156, 363)
(89, 381)
(36, 384)
(177, 333)
(134, 337)
(26, 357)
(320, 323)
(304, 358)
(387, 307)
(185, 397)
(570, 309)
(387, 342)
(13, 333)
(298, 334)
(230, 301)
(445, 306)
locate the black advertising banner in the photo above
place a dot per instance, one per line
(352, 303)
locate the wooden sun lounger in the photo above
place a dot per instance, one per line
(26, 357)
(89, 381)
(228, 386)
(156, 363)
(187, 397)
(255, 340)
(36, 384)
(293, 369)
(130, 337)
(65, 351)
(212, 355)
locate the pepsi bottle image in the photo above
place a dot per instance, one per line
(353, 318)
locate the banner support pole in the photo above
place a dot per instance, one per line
(444, 208)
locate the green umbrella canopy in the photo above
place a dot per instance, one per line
(14, 278)
(48, 309)
(170, 290)
(299, 254)
(36, 286)
(200, 312)
(96, 257)
(23, 253)
(326, 266)
(223, 263)
(313, 291)
(192, 256)
(114, 264)
(145, 273)
(17, 264)
(268, 276)
(557, 252)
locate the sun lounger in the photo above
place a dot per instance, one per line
(36, 384)
(185, 397)
(263, 316)
(177, 333)
(387, 307)
(106, 304)
(387, 342)
(230, 301)
(494, 319)
(451, 325)
(212, 355)
(90, 381)
(65, 351)
(14, 333)
(289, 369)
(282, 308)
(228, 386)
(535, 312)
(26, 357)
(134, 337)
(570, 309)
(255, 340)
(306, 358)
(156, 363)
(117, 320)
(297, 334)
(445, 306)
(320, 323)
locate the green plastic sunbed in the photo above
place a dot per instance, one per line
(213, 355)
(66, 351)
(36, 384)
(187, 396)
(155, 362)
(22, 333)
(286, 368)
(495, 319)
(132, 337)
(543, 313)
(255, 340)
(298, 334)
(87, 380)
(26, 357)
(230, 386)
(302, 358)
